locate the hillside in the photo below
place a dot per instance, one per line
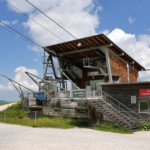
(2, 101)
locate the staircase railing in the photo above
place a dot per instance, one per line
(120, 107)
(116, 121)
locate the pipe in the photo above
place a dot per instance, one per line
(17, 83)
(44, 80)
(128, 70)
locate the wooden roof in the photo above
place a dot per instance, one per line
(72, 51)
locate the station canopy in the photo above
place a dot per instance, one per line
(84, 47)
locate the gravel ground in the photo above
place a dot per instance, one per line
(14, 137)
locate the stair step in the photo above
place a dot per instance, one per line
(107, 108)
(114, 113)
(136, 129)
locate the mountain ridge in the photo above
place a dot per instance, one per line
(3, 101)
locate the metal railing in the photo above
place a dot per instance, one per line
(109, 116)
(120, 107)
(95, 94)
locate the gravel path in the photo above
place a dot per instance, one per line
(13, 137)
(3, 107)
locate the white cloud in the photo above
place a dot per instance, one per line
(21, 4)
(100, 8)
(106, 32)
(78, 17)
(14, 22)
(5, 22)
(131, 20)
(8, 22)
(35, 59)
(21, 78)
(81, 19)
(137, 47)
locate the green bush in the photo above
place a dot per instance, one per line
(145, 126)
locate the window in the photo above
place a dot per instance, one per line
(143, 107)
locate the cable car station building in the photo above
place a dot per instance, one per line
(104, 83)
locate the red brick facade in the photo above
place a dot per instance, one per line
(119, 68)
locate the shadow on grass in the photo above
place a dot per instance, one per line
(111, 127)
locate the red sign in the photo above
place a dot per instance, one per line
(144, 92)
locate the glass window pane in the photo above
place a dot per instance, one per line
(143, 106)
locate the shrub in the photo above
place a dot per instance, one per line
(145, 126)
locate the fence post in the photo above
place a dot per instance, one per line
(4, 115)
(35, 119)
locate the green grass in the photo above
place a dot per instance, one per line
(1, 104)
(62, 123)
(111, 127)
(16, 115)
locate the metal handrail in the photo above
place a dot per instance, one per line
(138, 116)
(107, 114)
(119, 111)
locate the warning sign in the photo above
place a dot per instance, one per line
(144, 92)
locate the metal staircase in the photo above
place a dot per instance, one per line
(116, 111)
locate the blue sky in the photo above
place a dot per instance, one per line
(117, 12)
(125, 22)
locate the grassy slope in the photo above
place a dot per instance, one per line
(15, 115)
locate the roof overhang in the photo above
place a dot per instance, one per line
(84, 47)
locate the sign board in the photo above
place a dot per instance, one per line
(144, 92)
(79, 94)
(32, 102)
(68, 104)
(41, 96)
(133, 99)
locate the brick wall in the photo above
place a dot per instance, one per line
(119, 68)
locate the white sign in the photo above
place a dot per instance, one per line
(133, 99)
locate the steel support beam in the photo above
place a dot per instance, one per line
(108, 66)
(68, 78)
(30, 74)
(19, 89)
(46, 68)
(128, 71)
(84, 50)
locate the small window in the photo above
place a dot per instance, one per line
(143, 107)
